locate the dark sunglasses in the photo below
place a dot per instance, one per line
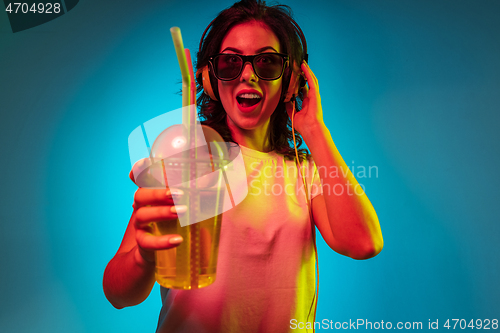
(267, 66)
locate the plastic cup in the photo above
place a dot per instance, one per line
(199, 173)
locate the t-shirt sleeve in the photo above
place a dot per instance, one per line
(316, 188)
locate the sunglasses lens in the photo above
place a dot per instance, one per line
(227, 66)
(268, 66)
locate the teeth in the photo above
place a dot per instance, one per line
(249, 96)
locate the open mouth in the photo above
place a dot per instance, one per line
(248, 100)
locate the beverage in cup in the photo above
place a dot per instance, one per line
(199, 172)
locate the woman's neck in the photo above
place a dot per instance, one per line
(256, 139)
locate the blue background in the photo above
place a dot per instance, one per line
(411, 87)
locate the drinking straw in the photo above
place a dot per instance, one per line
(192, 257)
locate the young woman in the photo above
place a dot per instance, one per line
(266, 266)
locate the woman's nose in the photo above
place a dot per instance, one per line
(248, 74)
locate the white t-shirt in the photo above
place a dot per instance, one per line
(266, 265)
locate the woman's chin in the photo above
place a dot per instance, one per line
(243, 123)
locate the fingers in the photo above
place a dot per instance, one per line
(149, 242)
(305, 91)
(156, 197)
(313, 75)
(145, 215)
(312, 81)
(155, 205)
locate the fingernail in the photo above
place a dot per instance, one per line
(175, 240)
(174, 192)
(179, 209)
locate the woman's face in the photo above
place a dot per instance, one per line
(249, 101)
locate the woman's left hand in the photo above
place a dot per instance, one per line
(311, 114)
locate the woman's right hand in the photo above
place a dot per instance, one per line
(154, 205)
(129, 276)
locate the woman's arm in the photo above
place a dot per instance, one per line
(347, 221)
(130, 275)
(343, 214)
(128, 278)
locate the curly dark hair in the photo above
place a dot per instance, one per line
(279, 19)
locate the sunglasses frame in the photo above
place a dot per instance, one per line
(250, 59)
